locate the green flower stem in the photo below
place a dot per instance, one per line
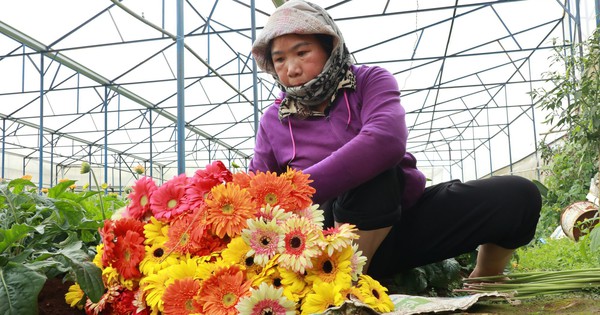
(529, 285)
(99, 194)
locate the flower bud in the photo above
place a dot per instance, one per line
(139, 169)
(85, 168)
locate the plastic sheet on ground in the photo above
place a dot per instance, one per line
(410, 304)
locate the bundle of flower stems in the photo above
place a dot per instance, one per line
(533, 284)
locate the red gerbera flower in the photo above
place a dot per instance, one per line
(169, 200)
(204, 180)
(113, 233)
(107, 233)
(139, 206)
(269, 188)
(123, 303)
(221, 292)
(129, 252)
(181, 297)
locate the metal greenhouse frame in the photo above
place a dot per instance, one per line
(172, 86)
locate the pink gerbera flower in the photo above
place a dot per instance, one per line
(139, 206)
(204, 180)
(263, 238)
(169, 201)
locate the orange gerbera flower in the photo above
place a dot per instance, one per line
(270, 189)
(302, 192)
(221, 292)
(185, 234)
(180, 298)
(243, 179)
(229, 206)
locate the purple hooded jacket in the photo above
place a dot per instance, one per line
(363, 134)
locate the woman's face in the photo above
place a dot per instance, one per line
(297, 58)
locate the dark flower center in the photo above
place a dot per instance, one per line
(267, 311)
(277, 282)
(265, 240)
(327, 266)
(249, 261)
(375, 293)
(159, 252)
(295, 242)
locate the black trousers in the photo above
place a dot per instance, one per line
(449, 219)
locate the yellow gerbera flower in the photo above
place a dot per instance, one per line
(294, 284)
(98, 258)
(155, 232)
(324, 296)
(156, 258)
(238, 252)
(154, 286)
(74, 296)
(333, 269)
(375, 295)
(336, 238)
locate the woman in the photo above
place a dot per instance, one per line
(343, 124)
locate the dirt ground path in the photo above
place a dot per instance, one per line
(569, 304)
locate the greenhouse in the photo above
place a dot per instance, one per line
(98, 96)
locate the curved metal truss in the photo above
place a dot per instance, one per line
(97, 81)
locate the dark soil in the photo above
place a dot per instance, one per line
(51, 300)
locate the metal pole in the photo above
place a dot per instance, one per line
(106, 137)
(254, 69)
(180, 92)
(3, 145)
(41, 138)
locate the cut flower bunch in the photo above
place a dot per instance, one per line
(227, 243)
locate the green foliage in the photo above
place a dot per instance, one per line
(572, 104)
(441, 276)
(45, 236)
(557, 254)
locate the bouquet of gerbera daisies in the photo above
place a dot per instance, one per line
(223, 243)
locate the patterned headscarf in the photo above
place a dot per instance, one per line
(301, 17)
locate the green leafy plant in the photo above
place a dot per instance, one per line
(46, 236)
(440, 277)
(572, 104)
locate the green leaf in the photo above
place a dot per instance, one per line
(19, 290)
(18, 184)
(543, 189)
(14, 234)
(57, 190)
(89, 276)
(595, 239)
